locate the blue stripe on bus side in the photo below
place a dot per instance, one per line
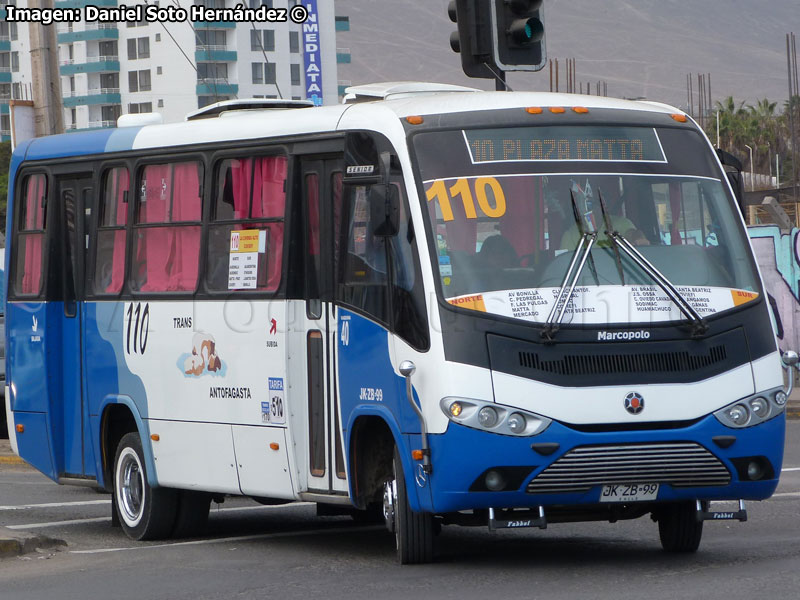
(69, 144)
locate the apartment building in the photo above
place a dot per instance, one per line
(112, 68)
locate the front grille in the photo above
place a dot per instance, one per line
(604, 363)
(680, 464)
(594, 364)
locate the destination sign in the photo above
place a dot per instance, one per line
(570, 143)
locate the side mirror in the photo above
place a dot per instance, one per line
(384, 202)
(733, 171)
(384, 207)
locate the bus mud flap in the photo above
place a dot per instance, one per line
(515, 519)
(706, 514)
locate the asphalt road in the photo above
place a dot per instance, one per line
(250, 551)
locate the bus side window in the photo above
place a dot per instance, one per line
(109, 270)
(31, 236)
(363, 281)
(249, 203)
(408, 296)
(167, 234)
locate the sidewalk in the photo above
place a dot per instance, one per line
(13, 542)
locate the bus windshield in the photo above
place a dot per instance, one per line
(508, 208)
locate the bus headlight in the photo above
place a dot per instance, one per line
(487, 417)
(760, 407)
(753, 410)
(516, 422)
(739, 415)
(490, 416)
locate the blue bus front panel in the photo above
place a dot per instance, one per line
(462, 456)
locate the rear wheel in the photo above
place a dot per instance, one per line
(145, 513)
(414, 532)
(679, 529)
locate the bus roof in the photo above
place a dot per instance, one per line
(255, 124)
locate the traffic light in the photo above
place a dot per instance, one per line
(518, 35)
(473, 39)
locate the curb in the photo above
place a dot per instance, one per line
(16, 543)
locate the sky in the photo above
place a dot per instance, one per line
(640, 48)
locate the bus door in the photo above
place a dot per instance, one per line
(74, 200)
(322, 201)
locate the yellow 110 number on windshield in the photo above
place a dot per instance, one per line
(463, 187)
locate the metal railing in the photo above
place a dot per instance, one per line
(102, 124)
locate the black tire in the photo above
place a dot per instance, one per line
(414, 532)
(145, 513)
(679, 529)
(192, 513)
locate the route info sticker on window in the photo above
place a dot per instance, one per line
(246, 245)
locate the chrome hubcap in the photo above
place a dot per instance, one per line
(389, 503)
(130, 487)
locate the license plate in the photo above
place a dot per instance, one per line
(629, 492)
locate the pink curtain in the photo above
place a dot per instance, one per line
(171, 254)
(523, 223)
(269, 197)
(34, 220)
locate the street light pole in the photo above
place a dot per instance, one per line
(752, 182)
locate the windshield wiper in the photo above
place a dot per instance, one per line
(699, 325)
(582, 252)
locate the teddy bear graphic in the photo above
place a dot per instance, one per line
(204, 355)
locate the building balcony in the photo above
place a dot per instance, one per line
(4, 109)
(83, 3)
(215, 54)
(214, 24)
(343, 56)
(90, 33)
(5, 43)
(93, 98)
(217, 87)
(5, 74)
(100, 125)
(91, 64)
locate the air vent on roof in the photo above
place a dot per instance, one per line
(140, 119)
(398, 89)
(218, 108)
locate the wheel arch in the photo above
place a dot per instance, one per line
(119, 416)
(372, 434)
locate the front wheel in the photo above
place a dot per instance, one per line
(679, 529)
(145, 513)
(414, 532)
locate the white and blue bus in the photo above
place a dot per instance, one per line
(429, 304)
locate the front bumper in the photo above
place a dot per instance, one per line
(461, 456)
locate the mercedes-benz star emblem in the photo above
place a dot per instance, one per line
(634, 403)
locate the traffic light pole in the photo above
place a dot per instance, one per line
(500, 81)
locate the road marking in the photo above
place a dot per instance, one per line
(786, 470)
(55, 505)
(59, 523)
(241, 538)
(101, 519)
(787, 495)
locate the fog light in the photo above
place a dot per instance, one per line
(780, 398)
(517, 423)
(487, 417)
(456, 408)
(738, 414)
(754, 471)
(760, 407)
(495, 481)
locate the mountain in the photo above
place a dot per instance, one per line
(641, 48)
